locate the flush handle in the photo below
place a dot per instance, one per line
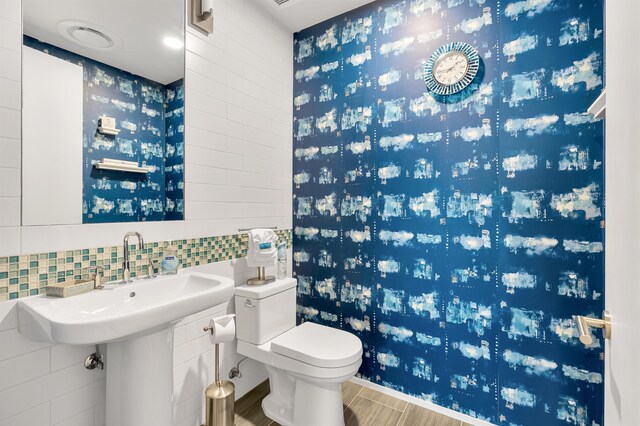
(586, 323)
(248, 304)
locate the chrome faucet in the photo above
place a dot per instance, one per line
(126, 267)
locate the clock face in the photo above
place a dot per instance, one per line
(451, 68)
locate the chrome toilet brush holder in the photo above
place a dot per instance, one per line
(220, 397)
(262, 278)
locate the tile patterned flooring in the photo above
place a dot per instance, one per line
(362, 407)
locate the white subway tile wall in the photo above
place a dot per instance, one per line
(238, 174)
(10, 105)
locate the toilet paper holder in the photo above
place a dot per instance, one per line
(220, 395)
(228, 329)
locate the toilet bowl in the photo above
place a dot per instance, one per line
(307, 364)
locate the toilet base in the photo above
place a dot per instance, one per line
(278, 405)
(296, 400)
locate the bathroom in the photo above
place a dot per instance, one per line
(318, 213)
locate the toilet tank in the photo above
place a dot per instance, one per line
(265, 311)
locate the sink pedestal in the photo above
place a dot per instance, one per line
(140, 380)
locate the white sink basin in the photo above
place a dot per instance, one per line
(135, 320)
(120, 311)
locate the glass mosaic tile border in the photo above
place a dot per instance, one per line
(29, 274)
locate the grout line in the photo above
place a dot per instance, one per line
(401, 416)
(361, 387)
(388, 406)
(32, 351)
(354, 398)
(385, 405)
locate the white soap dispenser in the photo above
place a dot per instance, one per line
(170, 261)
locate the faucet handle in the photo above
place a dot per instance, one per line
(151, 267)
(98, 278)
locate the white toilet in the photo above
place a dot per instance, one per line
(307, 364)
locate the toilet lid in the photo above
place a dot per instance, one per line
(318, 345)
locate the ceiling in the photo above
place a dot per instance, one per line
(137, 26)
(297, 15)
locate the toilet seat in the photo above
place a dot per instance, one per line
(345, 362)
(318, 345)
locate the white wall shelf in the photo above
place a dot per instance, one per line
(110, 132)
(121, 166)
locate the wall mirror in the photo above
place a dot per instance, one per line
(103, 111)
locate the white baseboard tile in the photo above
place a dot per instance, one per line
(420, 402)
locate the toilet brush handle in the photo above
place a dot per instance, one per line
(217, 364)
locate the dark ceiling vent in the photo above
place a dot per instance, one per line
(280, 2)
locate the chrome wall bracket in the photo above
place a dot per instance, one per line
(585, 324)
(95, 360)
(235, 371)
(200, 17)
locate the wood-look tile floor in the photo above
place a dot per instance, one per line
(362, 407)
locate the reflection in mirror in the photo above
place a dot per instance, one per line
(103, 111)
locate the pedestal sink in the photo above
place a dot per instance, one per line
(135, 320)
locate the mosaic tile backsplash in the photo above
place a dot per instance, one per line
(150, 117)
(457, 236)
(28, 275)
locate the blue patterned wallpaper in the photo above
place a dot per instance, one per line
(174, 154)
(457, 236)
(149, 133)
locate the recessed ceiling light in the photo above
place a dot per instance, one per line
(173, 42)
(88, 35)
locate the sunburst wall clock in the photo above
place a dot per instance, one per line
(451, 68)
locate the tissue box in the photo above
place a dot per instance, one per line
(69, 288)
(107, 126)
